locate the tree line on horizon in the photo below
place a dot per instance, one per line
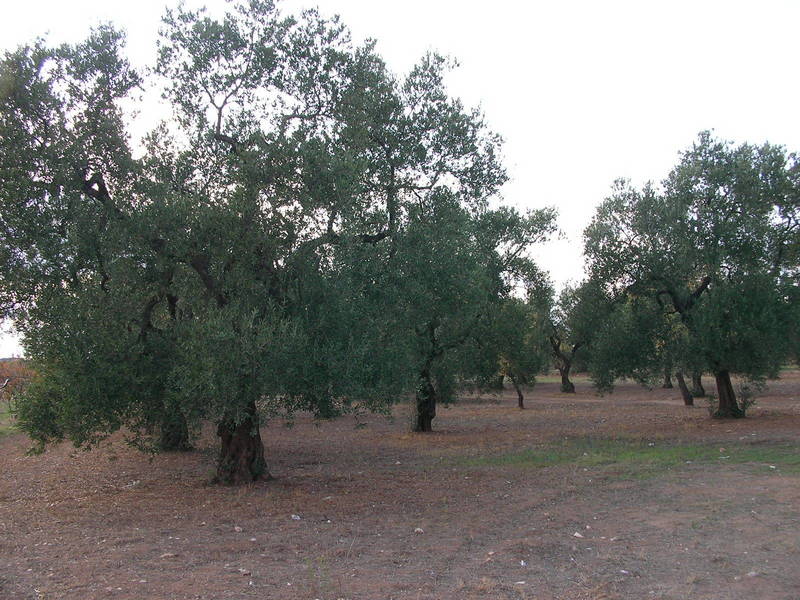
(309, 231)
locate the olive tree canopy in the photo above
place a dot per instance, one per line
(716, 245)
(214, 270)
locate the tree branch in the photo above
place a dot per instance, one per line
(702, 287)
(200, 263)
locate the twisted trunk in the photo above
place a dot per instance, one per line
(698, 391)
(728, 407)
(427, 393)
(426, 402)
(688, 399)
(566, 385)
(563, 362)
(241, 457)
(520, 397)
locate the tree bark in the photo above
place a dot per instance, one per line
(688, 399)
(566, 385)
(728, 407)
(241, 457)
(520, 397)
(174, 435)
(667, 385)
(563, 362)
(698, 391)
(426, 403)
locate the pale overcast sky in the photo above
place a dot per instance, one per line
(582, 91)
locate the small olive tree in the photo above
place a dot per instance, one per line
(574, 320)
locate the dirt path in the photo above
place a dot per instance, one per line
(113, 524)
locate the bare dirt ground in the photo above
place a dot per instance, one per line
(112, 523)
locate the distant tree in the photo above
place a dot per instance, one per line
(698, 391)
(667, 385)
(574, 321)
(523, 352)
(456, 275)
(675, 353)
(713, 246)
(514, 340)
(626, 344)
(214, 273)
(640, 341)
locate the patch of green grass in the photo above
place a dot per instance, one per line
(533, 457)
(556, 378)
(640, 458)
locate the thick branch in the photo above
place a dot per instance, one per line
(95, 187)
(702, 287)
(555, 343)
(146, 321)
(232, 142)
(200, 264)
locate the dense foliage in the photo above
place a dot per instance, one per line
(715, 246)
(573, 324)
(304, 231)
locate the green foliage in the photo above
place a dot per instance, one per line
(454, 274)
(714, 250)
(575, 324)
(519, 331)
(626, 345)
(744, 323)
(285, 240)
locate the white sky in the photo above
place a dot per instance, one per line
(583, 91)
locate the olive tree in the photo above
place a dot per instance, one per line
(211, 272)
(580, 311)
(454, 271)
(713, 245)
(519, 332)
(639, 340)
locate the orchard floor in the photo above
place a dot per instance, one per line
(631, 495)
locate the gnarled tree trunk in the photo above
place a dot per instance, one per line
(241, 456)
(426, 402)
(688, 399)
(698, 391)
(728, 407)
(566, 385)
(667, 385)
(563, 362)
(520, 397)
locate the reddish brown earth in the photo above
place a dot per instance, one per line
(112, 523)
